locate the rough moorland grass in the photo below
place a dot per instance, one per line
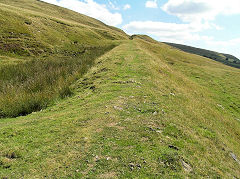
(42, 52)
(31, 86)
(140, 112)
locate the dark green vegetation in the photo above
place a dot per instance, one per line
(220, 57)
(143, 109)
(41, 56)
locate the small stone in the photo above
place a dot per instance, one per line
(219, 105)
(138, 166)
(77, 170)
(235, 157)
(163, 112)
(151, 129)
(186, 166)
(131, 165)
(155, 113)
(108, 158)
(118, 108)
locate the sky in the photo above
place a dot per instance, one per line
(208, 24)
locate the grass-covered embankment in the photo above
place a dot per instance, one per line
(143, 111)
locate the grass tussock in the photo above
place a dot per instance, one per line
(31, 86)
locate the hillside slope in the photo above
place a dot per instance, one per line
(138, 109)
(31, 28)
(43, 49)
(226, 59)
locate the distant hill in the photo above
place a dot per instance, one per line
(226, 59)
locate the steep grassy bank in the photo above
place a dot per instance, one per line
(43, 49)
(33, 85)
(145, 111)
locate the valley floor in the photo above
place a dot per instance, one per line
(143, 111)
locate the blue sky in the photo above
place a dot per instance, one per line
(209, 24)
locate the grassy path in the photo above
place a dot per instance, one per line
(133, 116)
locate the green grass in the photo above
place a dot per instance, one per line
(139, 110)
(109, 129)
(41, 55)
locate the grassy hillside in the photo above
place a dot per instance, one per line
(43, 49)
(144, 110)
(134, 109)
(220, 57)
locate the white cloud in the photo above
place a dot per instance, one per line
(90, 8)
(228, 46)
(112, 5)
(232, 42)
(183, 34)
(201, 10)
(202, 13)
(151, 4)
(171, 32)
(197, 16)
(127, 6)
